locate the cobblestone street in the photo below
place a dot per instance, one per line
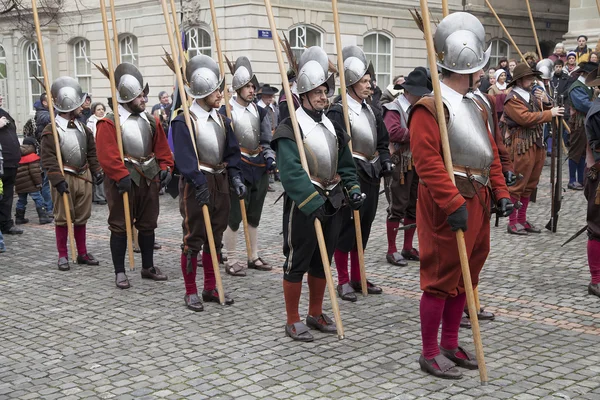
(72, 335)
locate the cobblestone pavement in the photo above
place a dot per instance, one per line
(71, 335)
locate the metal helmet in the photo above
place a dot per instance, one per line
(313, 71)
(67, 94)
(546, 67)
(355, 65)
(130, 83)
(460, 44)
(243, 74)
(203, 76)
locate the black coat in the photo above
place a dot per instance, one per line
(11, 150)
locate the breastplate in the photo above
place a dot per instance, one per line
(73, 148)
(469, 140)
(488, 109)
(210, 143)
(247, 130)
(137, 137)
(364, 135)
(321, 148)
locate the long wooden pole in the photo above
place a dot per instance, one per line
(505, 30)
(183, 61)
(188, 122)
(50, 100)
(598, 5)
(535, 36)
(460, 236)
(298, 138)
(445, 8)
(113, 17)
(356, 213)
(115, 107)
(213, 14)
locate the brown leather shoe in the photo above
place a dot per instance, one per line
(192, 301)
(121, 281)
(259, 264)
(298, 331)
(531, 228)
(346, 292)
(87, 259)
(469, 363)
(371, 288)
(154, 274)
(63, 264)
(396, 259)
(321, 323)
(465, 322)
(212, 296)
(235, 269)
(594, 289)
(445, 368)
(411, 255)
(516, 229)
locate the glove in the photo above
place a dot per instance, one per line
(62, 187)
(271, 165)
(388, 169)
(458, 219)
(98, 177)
(510, 178)
(124, 185)
(505, 207)
(238, 186)
(202, 194)
(356, 200)
(319, 214)
(165, 177)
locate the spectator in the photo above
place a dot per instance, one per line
(99, 110)
(162, 110)
(571, 63)
(582, 53)
(512, 63)
(531, 58)
(559, 82)
(390, 94)
(559, 53)
(487, 80)
(594, 56)
(503, 64)
(42, 118)
(499, 90)
(11, 153)
(86, 113)
(266, 99)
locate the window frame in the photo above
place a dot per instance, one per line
(494, 51)
(134, 49)
(199, 48)
(299, 49)
(31, 77)
(374, 57)
(87, 76)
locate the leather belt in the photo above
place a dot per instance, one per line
(251, 153)
(141, 161)
(212, 169)
(76, 170)
(480, 175)
(326, 184)
(371, 159)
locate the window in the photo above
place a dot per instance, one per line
(198, 42)
(34, 69)
(2, 63)
(3, 81)
(83, 70)
(500, 49)
(302, 37)
(378, 49)
(129, 49)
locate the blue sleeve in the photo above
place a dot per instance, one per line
(580, 100)
(186, 158)
(232, 155)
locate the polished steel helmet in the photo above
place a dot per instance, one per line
(67, 94)
(130, 83)
(355, 65)
(546, 67)
(313, 71)
(243, 74)
(203, 76)
(460, 44)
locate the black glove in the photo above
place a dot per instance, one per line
(271, 165)
(62, 187)
(356, 200)
(98, 177)
(510, 178)
(238, 186)
(505, 207)
(202, 194)
(388, 168)
(165, 177)
(319, 214)
(124, 185)
(458, 219)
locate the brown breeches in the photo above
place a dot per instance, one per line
(528, 164)
(80, 200)
(143, 206)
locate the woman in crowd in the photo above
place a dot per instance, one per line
(98, 111)
(571, 64)
(559, 53)
(499, 90)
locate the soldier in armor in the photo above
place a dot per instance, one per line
(317, 194)
(252, 128)
(147, 168)
(370, 142)
(80, 166)
(525, 112)
(401, 187)
(207, 171)
(444, 208)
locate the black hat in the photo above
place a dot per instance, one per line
(523, 70)
(267, 89)
(588, 66)
(416, 83)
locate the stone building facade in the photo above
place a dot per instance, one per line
(583, 20)
(384, 28)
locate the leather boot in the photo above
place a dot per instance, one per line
(43, 216)
(20, 217)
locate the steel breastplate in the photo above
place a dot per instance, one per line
(246, 127)
(73, 148)
(364, 135)
(469, 141)
(137, 137)
(210, 143)
(488, 109)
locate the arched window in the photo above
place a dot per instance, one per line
(198, 42)
(3, 81)
(500, 49)
(378, 49)
(34, 69)
(83, 70)
(129, 49)
(304, 36)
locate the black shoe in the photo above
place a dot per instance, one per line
(20, 217)
(594, 289)
(411, 255)
(63, 264)
(259, 264)
(212, 296)
(43, 216)
(153, 273)
(469, 363)
(346, 292)
(87, 259)
(321, 323)
(298, 331)
(396, 259)
(13, 230)
(121, 281)
(157, 246)
(192, 302)
(371, 289)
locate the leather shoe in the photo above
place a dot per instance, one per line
(469, 363)
(396, 259)
(259, 264)
(482, 315)
(465, 322)
(298, 331)
(192, 301)
(346, 292)
(321, 323)
(529, 227)
(411, 255)
(13, 230)
(446, 369)
(121, 281)
(594, 289)
(157, 246)
(371, 289)
(516, 229)
(87, 259)
(212, 296)
(63, 264)
(235, 269)
(154, 274)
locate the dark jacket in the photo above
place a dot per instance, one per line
(42, 118)
(9, 142)
(29, 174)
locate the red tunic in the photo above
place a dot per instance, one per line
(438, 197)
